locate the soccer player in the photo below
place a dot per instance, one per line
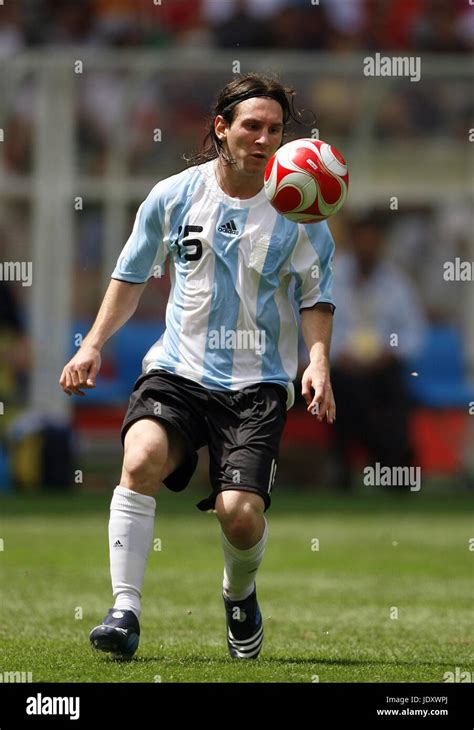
(221, 375)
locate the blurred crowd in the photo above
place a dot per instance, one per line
(177, 104)
(338, 25)
(117, 113)
(395, 315)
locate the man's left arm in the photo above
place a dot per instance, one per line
(316, 326)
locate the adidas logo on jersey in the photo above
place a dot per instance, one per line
(229, 227)
(117, 544)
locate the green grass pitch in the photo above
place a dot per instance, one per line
(387, 597)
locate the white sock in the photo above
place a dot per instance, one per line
(132, 518)
(240, 566)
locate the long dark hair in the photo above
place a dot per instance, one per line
(245, 86)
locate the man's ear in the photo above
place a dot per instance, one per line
(220, 127)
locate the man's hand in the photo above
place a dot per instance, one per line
(322, 404)
(81, 371)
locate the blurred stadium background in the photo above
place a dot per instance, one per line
(99, 99)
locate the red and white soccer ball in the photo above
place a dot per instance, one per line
(307, 180)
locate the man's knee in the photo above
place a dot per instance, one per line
(239, 512)
(148, 456)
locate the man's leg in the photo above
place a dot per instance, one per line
(244, 435)
(244, 536)
(152, 451)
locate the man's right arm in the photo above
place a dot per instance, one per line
(119, 304)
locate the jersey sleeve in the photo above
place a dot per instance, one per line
(145, 252)
(312, 264)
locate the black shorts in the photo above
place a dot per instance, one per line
(242, 429)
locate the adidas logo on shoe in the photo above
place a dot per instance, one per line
(229, 228)
(118, 544)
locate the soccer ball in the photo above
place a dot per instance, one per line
(306, 180)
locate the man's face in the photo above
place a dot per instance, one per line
(254, 135)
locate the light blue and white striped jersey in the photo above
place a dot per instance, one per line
(229, 319)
